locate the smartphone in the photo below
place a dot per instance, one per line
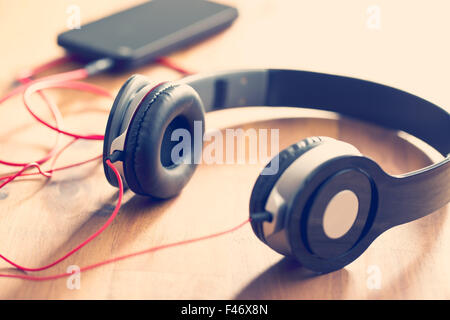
(143, 33)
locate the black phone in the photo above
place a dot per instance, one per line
(143, 33)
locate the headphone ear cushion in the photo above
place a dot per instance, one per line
(148, 167)
(265, 183)
(117, 116)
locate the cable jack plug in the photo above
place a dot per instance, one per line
(99, 66)
(115, 156)
(261, 216)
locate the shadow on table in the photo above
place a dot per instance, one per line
(287, 279)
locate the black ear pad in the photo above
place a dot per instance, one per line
(147, 163)
(117, 116)
(265, 183)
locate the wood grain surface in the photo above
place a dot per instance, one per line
(40, 219)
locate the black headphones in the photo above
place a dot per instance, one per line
(326, 203)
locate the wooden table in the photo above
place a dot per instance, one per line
(41, 219)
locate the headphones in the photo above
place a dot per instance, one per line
(326, 203)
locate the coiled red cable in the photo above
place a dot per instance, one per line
(68, 80)
(85, 242)
(47, 84)
(57, 117)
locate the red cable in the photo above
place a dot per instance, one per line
(85, 242)
(47, 84)
(18, 173)
(26, 74)
(53, 109)
(172, 65)
(56, 169)
(70, 75)
(58, 121)
(49, 81)
(108, 261)
(47, 174)
(66, 80)
(124, 257)
(52, 81)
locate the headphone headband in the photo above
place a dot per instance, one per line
(364, 100)
(360, 99)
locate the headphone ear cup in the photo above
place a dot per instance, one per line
(148, 166)
(117, 116)
(265, 183)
